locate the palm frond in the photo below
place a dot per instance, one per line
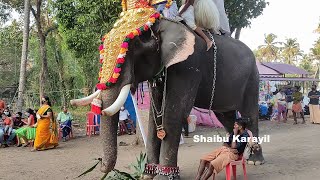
(90, 169)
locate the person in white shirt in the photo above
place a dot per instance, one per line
(124, 117)
(282, 105)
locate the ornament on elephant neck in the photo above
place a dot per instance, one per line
(134, 21)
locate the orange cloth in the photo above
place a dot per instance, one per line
(221, 157)
(2, 106)
(46, 133)
(297, 108)
(7, 121)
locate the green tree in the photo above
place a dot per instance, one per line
(291, 51)
(82, 24)
(10, 50)
(270, 50)
(306, 63)
(240, 13)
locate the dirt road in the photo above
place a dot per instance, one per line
(293, 153)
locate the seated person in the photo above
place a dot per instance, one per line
(168, 8)
(208, 17)
(217, 160)
(5, 120)
(27, 132)
(17, 121)
(124, 118)
(65, 118)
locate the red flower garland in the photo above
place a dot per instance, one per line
(123, 49)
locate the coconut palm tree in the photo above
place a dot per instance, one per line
(269, 51)
(315, 53)
(306, 63)
(318, 29)
(291, 50)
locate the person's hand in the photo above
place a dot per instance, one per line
(235, 131)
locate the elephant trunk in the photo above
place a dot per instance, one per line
(109, 127)
(113, 99)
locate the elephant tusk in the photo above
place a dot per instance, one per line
(122, 97)
(86, 100)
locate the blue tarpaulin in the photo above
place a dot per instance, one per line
(128, 105)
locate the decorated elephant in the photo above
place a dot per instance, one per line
(143, 46)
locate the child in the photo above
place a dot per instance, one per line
(8, 123)
(204, 14)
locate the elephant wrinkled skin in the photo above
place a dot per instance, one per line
(189, 83)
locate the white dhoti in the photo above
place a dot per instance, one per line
(188, 17)
(224, 21)
(314, 113)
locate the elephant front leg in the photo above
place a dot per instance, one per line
(153, 142)
(153, 150)
(177, 109)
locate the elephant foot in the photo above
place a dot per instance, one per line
(163, 177)
(147, 176)
(256, 158)
(167, 173)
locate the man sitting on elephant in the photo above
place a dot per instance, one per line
(168, 8)
(217, 160)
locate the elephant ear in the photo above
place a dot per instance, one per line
(177, 42)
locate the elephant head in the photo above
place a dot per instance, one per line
(162, 45)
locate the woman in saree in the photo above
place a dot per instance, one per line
(47, 129)
(27, 132)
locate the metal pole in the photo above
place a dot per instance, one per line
(139, 122)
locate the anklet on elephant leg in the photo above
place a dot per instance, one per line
(171, 172)
(150, 169)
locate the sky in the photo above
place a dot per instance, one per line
(286, 19)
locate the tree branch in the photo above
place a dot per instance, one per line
(50, 29)
(33, 12)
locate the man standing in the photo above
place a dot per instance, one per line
(282, 105)
(289, 98)
(314, 105)
(65, 119)
(297, 106)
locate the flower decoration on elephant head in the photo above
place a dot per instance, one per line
(134, 21)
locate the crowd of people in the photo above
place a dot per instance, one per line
(37, 126)
(291, 99)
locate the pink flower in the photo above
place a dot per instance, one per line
(117, 70)
(125, 45)
(100, 47)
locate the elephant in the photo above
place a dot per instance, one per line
(175, 60)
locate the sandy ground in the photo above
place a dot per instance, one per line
(293, 153)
